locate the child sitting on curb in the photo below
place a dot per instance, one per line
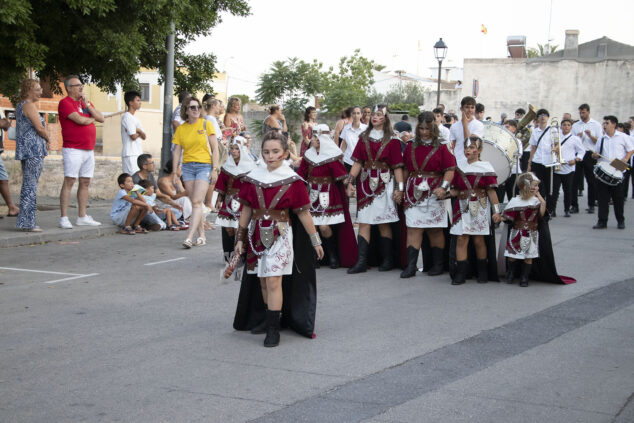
(128, 210)
(165, 214)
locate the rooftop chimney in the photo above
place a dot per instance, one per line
(571, 47)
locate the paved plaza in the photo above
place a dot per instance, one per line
(99, 327)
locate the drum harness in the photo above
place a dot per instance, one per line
(371, 165)
(423, 187)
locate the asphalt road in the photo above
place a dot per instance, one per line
(107, 329)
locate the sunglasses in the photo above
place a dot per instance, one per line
(194, 107)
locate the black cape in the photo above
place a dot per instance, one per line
(300, 290)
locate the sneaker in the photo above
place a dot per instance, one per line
(86, 221)
(64, 223)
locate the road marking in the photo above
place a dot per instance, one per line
(38, 271)
(164, 261)
(71, 278)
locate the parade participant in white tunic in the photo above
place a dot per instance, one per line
(474, 184)
(429, 170)
(268, 194)
(379, 162)
(228, 186)
(524, 210)
(322, 167)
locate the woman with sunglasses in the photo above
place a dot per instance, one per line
(196, 140)
(429, 170)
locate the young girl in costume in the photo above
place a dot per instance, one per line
(524, 211)
(429, 170)
(378, 160)
(474, 184)
(228, 186)
(322, 167)
(268, 195)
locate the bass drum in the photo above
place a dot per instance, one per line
(501, 149)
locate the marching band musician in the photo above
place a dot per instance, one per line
(228, 186)
(612, 145)
(429, 170)
(378, 160)
(474, 184)
(572, 152)
(589, 130)
(323, 169)
(541, 156)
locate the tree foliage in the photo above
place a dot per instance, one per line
(107, 41)
(412, 93)
(351, 83)
(541, 50)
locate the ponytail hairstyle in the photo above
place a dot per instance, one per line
(388, 132)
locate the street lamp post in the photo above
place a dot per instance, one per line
(440, 51)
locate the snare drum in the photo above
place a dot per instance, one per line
(608, 174)
(500, 148)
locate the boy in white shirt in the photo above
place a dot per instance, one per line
(464, 128)
(131, 133)
(572, 152)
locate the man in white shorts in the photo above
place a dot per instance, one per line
(77, 117)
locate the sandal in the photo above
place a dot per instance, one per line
(200, 242)
(187, 243)
(128, 231)
(141, 230)
(174, 228)
(33, 229)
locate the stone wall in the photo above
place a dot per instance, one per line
(103, 185)
(558, 86)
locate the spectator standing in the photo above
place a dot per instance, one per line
(233, 119)
(176, 114)
(310, 114)
(131, 133)
(32, 143)
(365, 115)
(4, 175)
(350, 135)
(403, 125)
(199, 146)
(479, 112)
(77, 117)
(443, 131)
(345, 119)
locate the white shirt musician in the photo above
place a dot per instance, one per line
(457, 130)
(572, 149)
(589, 130)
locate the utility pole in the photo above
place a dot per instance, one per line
(168, 94)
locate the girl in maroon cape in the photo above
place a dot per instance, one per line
(268, 194)
(474, 184)
(378, 160)
(323, 169)
(429, 170)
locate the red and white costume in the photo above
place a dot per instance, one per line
(523, 240)
(426, 165)
(322, 171)
(271, 196)
(472, 210)
(375, 186)
(229, 184)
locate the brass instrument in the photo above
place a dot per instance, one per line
(523, 132)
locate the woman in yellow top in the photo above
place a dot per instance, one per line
(197, 142)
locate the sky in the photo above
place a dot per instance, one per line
(389, 32)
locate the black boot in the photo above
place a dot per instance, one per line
(438, 261)
(510, 271)
(386, 252)
(526, 271)
(273, 329)
(362, 261)
(412, 259)
(333, 254)
(261, 327)
(483, 274)
(461, 273)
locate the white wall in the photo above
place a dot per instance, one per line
(559, 87)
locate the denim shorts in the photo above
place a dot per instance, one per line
(194, 171)
(4, 176)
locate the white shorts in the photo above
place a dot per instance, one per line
(78, 163)
(129, 164)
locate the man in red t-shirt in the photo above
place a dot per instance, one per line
(77, 117)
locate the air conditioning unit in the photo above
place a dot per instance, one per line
(516, 45)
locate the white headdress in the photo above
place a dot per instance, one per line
(246, 163)
(327, 147)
